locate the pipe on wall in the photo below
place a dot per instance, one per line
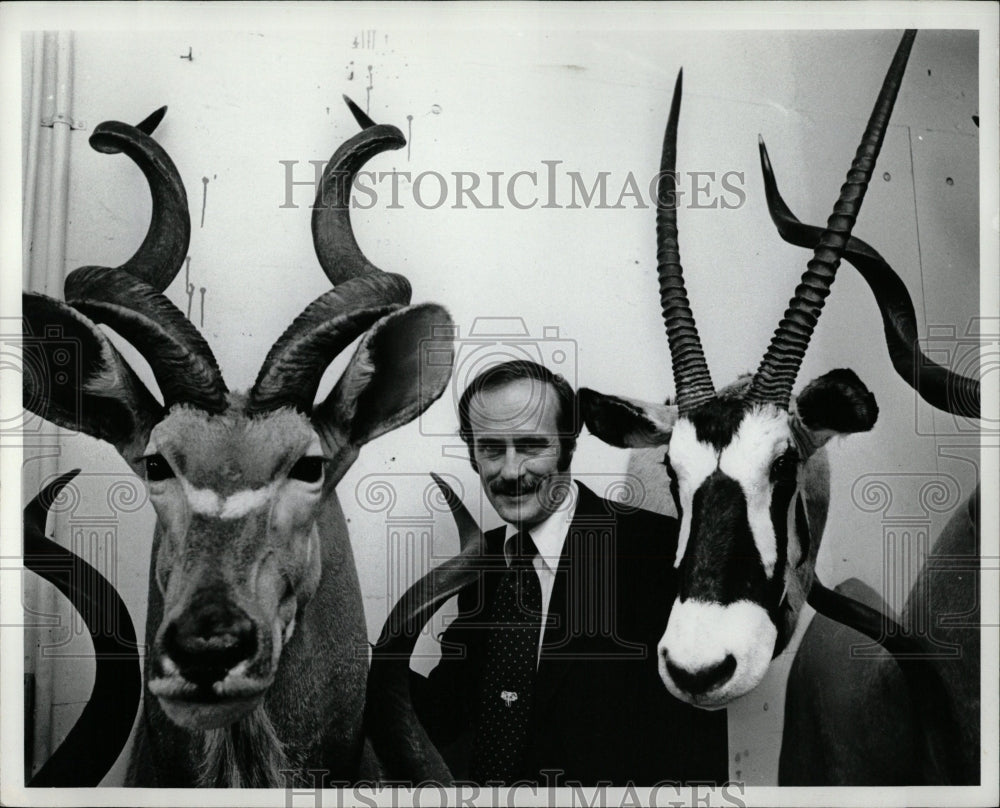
(47, 133)
(30, 138)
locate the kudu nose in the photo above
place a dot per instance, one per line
(703, 679)
(208, 640)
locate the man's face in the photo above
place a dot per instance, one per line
(515, 443)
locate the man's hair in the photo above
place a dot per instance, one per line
(567, 419)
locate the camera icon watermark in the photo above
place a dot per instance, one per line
(48, 366)
(492, 341)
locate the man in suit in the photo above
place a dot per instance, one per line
(550, 669)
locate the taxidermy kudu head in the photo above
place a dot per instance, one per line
(745, 464)
(256, 633)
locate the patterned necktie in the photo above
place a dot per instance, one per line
(509, 676)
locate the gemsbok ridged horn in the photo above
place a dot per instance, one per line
(746, 465)
(939, 386)
(692, 380)
(776, 374)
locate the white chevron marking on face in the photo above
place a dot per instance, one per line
(202, 500)
(206, 502)
(692, 462)
(762, 436)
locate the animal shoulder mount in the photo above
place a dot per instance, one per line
(908, 715)
(745, 465)
(257, 647)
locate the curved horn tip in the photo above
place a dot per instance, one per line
(363, 120)
(37, 510)
(52, 490)
(449, 493)
(149, 124)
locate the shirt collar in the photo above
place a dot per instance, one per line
(549, 536)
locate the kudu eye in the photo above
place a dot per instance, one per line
(157, 468)
(308, 469)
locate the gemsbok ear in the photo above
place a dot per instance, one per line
(402, 365)
(837, 403)
(625, 422)
(75, 378)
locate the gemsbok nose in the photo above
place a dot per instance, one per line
(704, 679)
(207, 641)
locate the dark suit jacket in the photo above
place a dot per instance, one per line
(601, 711)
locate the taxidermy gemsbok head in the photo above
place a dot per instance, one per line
(746, 463)
(257, 644)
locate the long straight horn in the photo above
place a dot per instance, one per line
(692, 382)
(780, 365)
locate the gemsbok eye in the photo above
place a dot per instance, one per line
(308, 469)
(784, 467)
(157, 468)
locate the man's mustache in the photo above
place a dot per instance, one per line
(513, 488)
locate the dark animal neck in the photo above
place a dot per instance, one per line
(928, 691)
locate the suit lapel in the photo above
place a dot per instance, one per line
(495, 565)
(561, 628)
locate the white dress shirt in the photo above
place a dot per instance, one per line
(549, 537)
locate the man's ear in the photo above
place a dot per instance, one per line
(837, 403)
(402, 364)
(75, 378)
(625, 422)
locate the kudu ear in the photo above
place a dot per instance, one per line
(837, 403)
(625, 422)
(75, 378)
(402, 365)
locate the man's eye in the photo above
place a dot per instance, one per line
(157, 468)
(490, 447)
(531, 445)
(308, 469)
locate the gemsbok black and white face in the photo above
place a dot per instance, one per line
(746, 464)
(734, 485)
(749, 482)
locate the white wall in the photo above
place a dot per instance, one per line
(592, 94)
